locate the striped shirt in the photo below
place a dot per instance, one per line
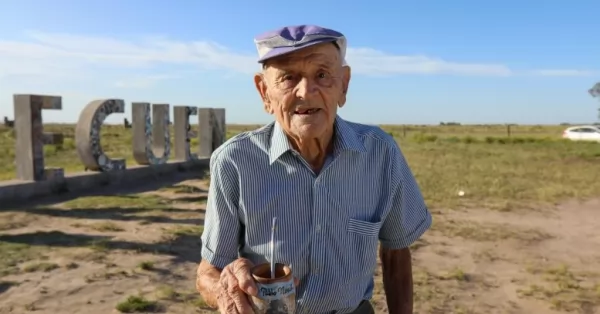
(329, 224)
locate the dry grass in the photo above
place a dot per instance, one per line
(137, 250)
(564, 289)
(137, 304)
(494, 170)
(487, 232)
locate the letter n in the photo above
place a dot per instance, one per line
(183, 132)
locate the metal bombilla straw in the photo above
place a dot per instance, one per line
(273, 248)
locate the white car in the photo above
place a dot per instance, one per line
(582, 133)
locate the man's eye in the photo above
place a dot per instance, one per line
(288, 77)
(322, 75)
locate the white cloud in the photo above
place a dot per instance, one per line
(563, 72)
(371, 61)
(143, 81)
(65, 56)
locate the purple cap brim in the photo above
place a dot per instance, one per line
(280, 51)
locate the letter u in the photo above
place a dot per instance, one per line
(151, 138)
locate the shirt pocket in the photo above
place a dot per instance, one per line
(364, 228)
(362, 240)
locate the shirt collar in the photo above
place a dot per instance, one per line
(345, 139)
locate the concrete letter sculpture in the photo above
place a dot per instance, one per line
(212, 129)
(219, 127)
(151, 138)
(30, 137)
(183, 134)
(87, 135)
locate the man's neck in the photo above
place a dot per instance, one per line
(314, 150)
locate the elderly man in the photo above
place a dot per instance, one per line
(339, 189)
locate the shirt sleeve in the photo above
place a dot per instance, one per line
(409, 216)
(222, 227)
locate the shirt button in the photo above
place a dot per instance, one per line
(318, 228)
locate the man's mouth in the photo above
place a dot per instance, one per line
(307, 111)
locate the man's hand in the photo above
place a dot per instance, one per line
(235, 284)
(227, 290)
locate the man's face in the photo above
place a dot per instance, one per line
(303, 90)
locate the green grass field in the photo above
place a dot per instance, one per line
(493, 169)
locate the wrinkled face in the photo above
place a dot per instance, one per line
(303, 90)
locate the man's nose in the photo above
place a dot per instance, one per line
(305, 88)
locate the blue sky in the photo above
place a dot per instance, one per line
(413, 61)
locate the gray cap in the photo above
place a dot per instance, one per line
(292, 38)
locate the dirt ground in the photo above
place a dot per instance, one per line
(139, 252)
(481, 261)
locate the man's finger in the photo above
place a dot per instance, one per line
(226, 304)
(225, 280)
(237, 296)
(230, 308)
(229, 287)
(242, 270)
(241, 302)
(296, 281)
(232, 284)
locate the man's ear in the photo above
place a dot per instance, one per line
(261, 87)
(346, 74)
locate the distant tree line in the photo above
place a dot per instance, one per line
(11, 123)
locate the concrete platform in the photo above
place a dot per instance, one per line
(17, 190)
